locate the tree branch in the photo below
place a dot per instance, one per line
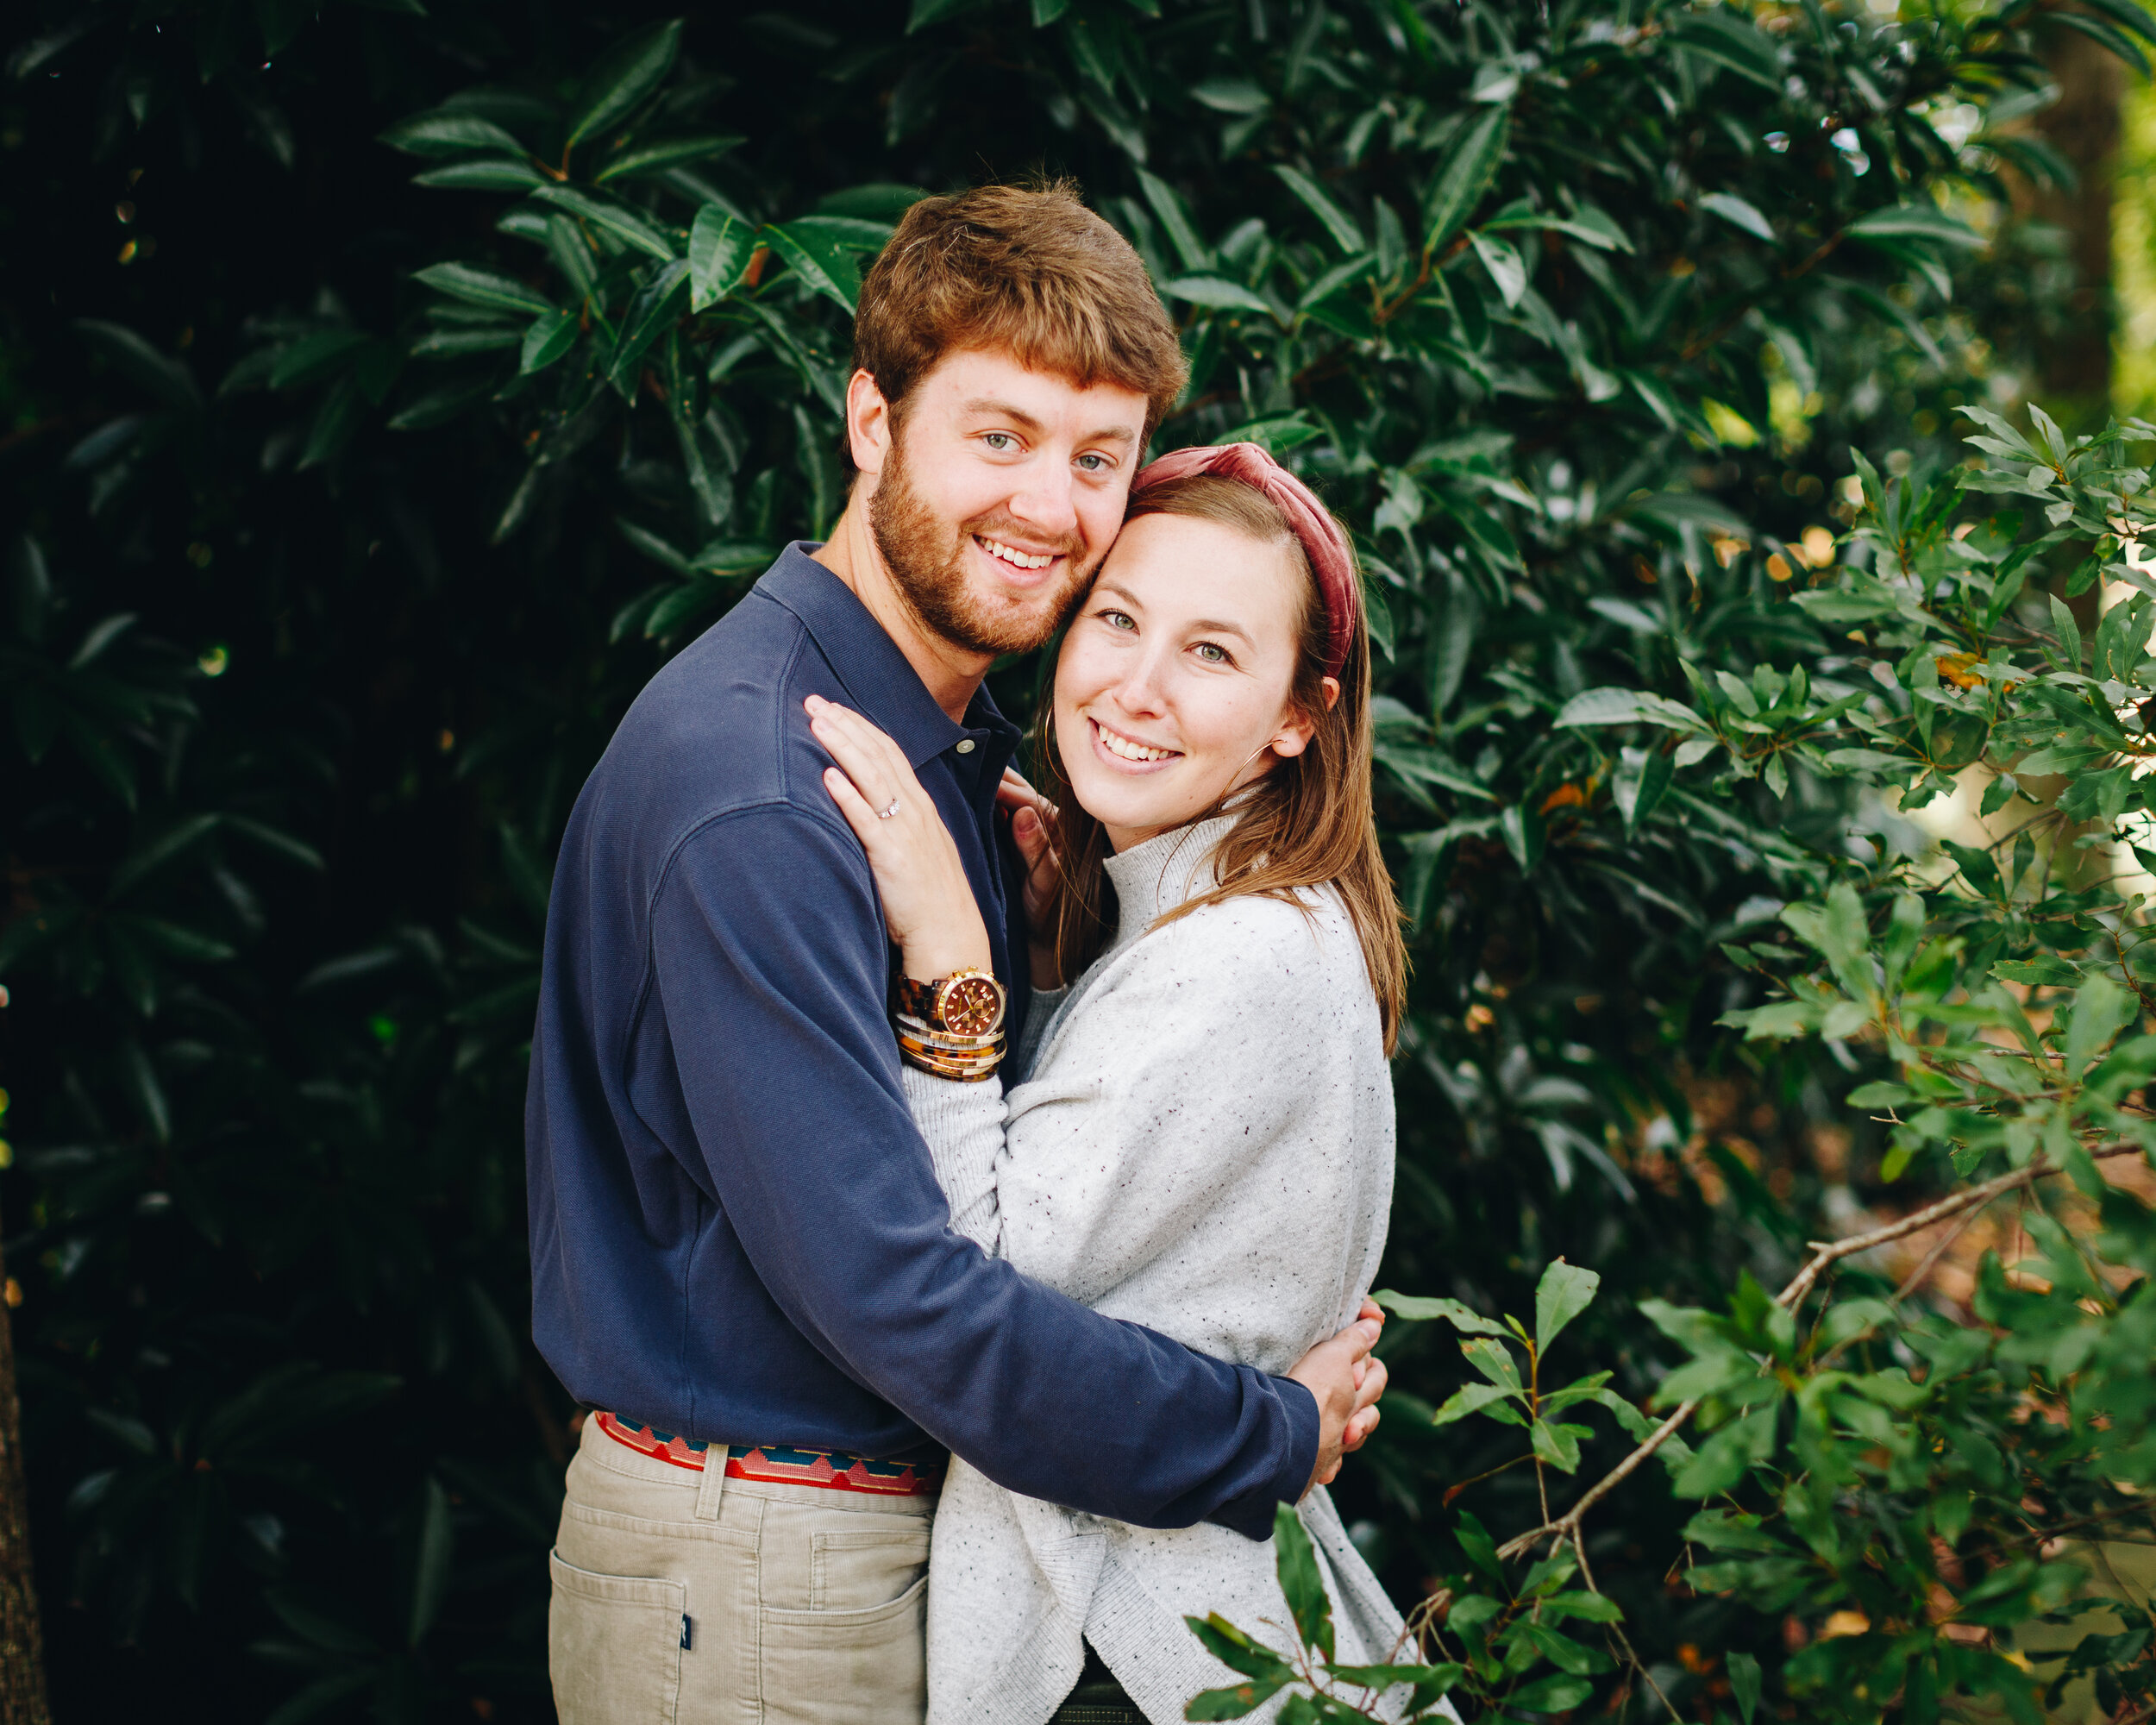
(1825, 1254)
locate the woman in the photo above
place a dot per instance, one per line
(1196, 1132)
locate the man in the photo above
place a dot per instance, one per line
(740, 1257)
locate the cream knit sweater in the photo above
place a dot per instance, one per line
(1200, 1140)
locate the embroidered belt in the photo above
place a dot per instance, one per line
(832, 1469)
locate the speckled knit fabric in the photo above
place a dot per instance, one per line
(1200, 1140)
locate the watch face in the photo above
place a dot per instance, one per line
(972, 1006)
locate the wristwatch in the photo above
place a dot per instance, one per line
(967, 1003)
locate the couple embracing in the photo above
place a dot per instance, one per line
(957, 1201)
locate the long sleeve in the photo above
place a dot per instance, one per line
(791, 1085)
(962, 1126)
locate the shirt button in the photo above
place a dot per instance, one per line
(965, 745)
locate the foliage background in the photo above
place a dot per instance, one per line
(276, 845)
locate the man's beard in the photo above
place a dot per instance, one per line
(926, 558)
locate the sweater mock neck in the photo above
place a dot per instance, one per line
(1167, 871)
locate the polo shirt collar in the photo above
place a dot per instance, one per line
(884, 689)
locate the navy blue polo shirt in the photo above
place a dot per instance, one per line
(736, 1232)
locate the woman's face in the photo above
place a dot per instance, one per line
(1172, 687)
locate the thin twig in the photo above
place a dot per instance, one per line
(1825, 1253)
(1916, 1276)
(1566, 1525)
(1579, 1551)
(2042, 1535)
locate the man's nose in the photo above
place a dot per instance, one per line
(1048, 501)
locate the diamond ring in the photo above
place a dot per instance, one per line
(886, 814)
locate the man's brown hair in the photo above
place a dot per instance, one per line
(1029, 272)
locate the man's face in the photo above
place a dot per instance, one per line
(996, 503)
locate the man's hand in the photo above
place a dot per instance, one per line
(1347, 1379)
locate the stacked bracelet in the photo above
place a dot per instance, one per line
(948, 1054)
(951, 1027)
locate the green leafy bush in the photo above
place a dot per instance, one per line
(1871, 1459)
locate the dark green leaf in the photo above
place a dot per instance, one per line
(175, 841)
(1236, 1650)
(1481, 1549)
(430, 1562)
(719, 250)
(449, 132)
(622, 76)
(821, 261)
(314, 357)
(1464, 175)
(616, 219)
(1417, 1307)
(1914, 221)
(1743, 1681)
(1551, 1695)
(1728, 38)
(482, 173)
(927, 12)
(654, 158)
(659, 304)
(1337, 222)
(478, 287)
(1236, 1702)
(1565, 1292)
(1476, 1398)
(1734, 210)
(552, 335)
(135, 358)
(1301, 1581)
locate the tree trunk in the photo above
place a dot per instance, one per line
(2082, 126)
(21, 1645)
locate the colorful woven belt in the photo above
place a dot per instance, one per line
(832, 1469)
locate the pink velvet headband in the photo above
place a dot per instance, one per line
(1331, 560)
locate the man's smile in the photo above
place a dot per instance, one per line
(1012, 554)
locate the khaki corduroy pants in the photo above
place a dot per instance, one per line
(684, 1595)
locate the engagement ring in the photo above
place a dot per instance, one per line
(886, 814)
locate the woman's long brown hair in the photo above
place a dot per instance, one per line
(1307, 823)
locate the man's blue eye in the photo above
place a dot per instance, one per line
(1094, 464)
(998, 441)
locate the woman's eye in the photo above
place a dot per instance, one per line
(1211, 653)
(1119, 619)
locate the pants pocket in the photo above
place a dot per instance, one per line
(614, 1647)
(856, 1667)
(856, 1569)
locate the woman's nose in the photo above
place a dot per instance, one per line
(1143, 691)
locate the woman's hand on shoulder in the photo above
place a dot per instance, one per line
(928, 903)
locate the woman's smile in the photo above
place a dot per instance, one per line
(1126, 752)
